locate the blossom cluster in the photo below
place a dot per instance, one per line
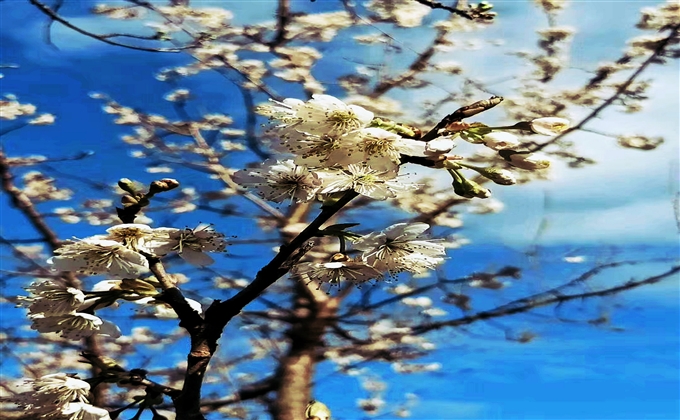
(54, 307)
(60, 397)
(335, 147)
(399, 248)
(123, 251)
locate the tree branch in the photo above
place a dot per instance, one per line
(543, 299)
(103, 38)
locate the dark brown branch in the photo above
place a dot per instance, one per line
(437, 5)
(282, 19)
(24, 204)
(204, 337)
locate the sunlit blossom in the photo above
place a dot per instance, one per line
(325, 150)
(401, 247)
(74, 325)
(338, 269)
(99, 256)
(379, 145)
(279, 181)
(363, 179)
(132, 235)
(323, 114)
(190, 244)
(52, 298)
(51, 393)
(327, 114)
(84, 411)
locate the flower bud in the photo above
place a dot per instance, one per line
(529, 161)
(499, 176)
(128, 200)
(469, 189)
(498, 140)
(127, 185)
(549, 126)
(165, 184)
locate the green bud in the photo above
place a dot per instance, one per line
(498, 175)
(466, 188)
(484, 6)
(127, 185)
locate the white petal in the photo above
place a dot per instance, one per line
(196, 258)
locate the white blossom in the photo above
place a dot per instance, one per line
(401, 247)
(52, 298)
(99, 256)
(281, 180)
(190, 244)
(132, 235)
(400, 289)
(380, 145)
(285, 111)
(325, 150)
(75, 325)
(51, 394)
(363, 179)
(339, 268)
(434, 312)
(323, 114)
(83, 411)
(327, 114)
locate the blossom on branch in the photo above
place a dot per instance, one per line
(59, 396)
(281, 180)
(363, 179)
(74, 326)
(341, 267)
(52, 298)
(190, 244)
(323, 114)
(401, 247)
(99, 256)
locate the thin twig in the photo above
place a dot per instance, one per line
(622, 88)
(56, 17)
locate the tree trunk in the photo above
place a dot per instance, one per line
(313, 311)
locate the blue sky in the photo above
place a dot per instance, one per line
(620, 208)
